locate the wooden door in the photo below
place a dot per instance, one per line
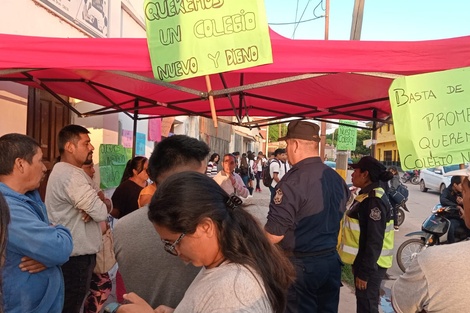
(46, 117)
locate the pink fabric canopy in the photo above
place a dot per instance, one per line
(309, 78)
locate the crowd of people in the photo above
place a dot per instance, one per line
(194, 209)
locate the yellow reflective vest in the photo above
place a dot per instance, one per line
(350, 233)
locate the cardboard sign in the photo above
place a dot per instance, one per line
(347, 136)
(189, 38)
(113, 161)
(431, 115)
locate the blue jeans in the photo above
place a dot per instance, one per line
(316, 287)
(77, 278)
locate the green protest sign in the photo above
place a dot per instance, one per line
(113, 161)
(431, 115)
(347, 136)
(188, 38)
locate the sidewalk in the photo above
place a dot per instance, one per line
(258, 206)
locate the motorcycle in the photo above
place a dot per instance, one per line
(434, 231)
(411, 176)
(401, 213)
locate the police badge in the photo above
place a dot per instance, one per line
(278, 196)
(375, 214)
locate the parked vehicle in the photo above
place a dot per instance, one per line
(331, 164)
(433, 178)
(401, 214)
(434, 231)
(411, 176)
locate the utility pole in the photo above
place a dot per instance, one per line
(356, 27)
(323, 124)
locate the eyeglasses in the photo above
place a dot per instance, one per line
(171, 247)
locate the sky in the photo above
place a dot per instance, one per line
(390, 20)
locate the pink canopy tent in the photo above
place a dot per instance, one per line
(308, 79)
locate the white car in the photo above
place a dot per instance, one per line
(433, 178)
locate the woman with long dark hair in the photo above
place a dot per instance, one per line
(202, 224)
(134, 179)
(212, 165)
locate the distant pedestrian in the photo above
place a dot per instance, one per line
(212, 165)
(228, 180)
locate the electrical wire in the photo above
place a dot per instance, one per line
(297, 25)
(316, 17)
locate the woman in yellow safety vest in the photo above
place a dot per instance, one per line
(367, 235)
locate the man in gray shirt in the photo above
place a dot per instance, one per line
(146, 268)
(71, 201)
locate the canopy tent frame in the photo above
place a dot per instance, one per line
(309, 79)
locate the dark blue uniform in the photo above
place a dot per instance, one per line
(309, 203)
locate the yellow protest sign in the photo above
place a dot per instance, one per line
(189, 38)
(347, 135)
(431, 115)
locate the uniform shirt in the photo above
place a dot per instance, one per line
(373, 215)
(307, 208)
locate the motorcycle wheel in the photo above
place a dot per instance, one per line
(407, 251)
(400, 216)
(415, 180)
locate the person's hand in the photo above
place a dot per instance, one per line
(101, 195)
(459, 200)
(164, 309)
(85, 217)
(361, 284)
(32, 266)
(461, 212)
(136, 305)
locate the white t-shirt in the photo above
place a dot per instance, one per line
(228, 288)
(436, 281)
(260, 164)
(279, 167)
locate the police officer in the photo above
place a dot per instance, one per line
(304, 218)
(367, 236)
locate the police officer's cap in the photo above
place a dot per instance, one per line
(370, 164)
(302, 130)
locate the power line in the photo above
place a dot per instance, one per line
(319, 4)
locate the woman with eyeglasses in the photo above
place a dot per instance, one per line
(199, 222)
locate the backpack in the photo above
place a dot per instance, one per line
(266, 175)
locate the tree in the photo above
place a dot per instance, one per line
(274, 132)
(362, 135)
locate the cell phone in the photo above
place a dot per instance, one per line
(112, 307)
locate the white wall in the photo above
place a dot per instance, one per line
(13, 101)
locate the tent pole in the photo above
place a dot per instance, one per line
(211, 100)
(134, 130)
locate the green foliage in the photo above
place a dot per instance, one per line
(347, 275)
(274, 132)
